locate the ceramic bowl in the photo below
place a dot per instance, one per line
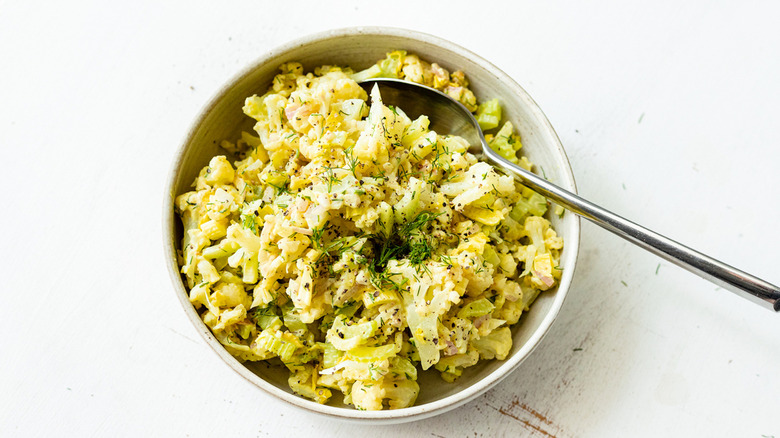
(359, 48)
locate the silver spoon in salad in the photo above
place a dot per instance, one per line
(449, 116)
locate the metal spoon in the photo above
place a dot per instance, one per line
(449, 116)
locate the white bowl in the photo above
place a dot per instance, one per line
(359, 48)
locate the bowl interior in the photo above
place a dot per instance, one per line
(359, 48)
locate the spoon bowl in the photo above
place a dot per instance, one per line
(448, 116)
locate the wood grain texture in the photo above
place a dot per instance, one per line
(666, 109)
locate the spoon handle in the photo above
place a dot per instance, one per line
(723, 275)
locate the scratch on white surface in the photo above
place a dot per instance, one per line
(183, 336)
(536, 422)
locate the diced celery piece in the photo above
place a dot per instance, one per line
(302, 383)
(452, 374)
(403, 367)
(495, 344)
(269, 322)
(489, 114)
(330, 355)
(363, 330)
(372, 72)
(390, 67)
(538, 204)
(309, 354)
(243, 330)
(372, 354)
(273, 341)
(275, 179)
(250, 139)
(423, 147)
(266, 318)
(520, 210)
(386, 218)
(346, 337)
(490, 256)
(348, 310)
(223, 249)
(286, 351)
(373, 298)
(425, 333)
(406, 208)
(414, 131)
(505, 143)
(392, 64)
(250, 269)
(480, 307)
(292, 321)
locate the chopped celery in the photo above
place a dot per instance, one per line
(476, 308)
(250, 139)
(275, 179)
(536, 205)
(372, 354)
(494, 345)
(520, 210)
(391, 66)
(408, 206)
(386, 218)
(424, 145)
(309, 354)
(266, 318)
(330, 355)
(302, 382)
(275, 342)
(223, 249)
(506, 143)
(372, 72)
(363, 330)
(489, 114)
(373, 298)
(346, 337)
(348, 310)
(403, 367)
(414, 131)
(490, 256)
(292, 320)
(425, 333)
(269, 322)
(452, 374)
(243, 330)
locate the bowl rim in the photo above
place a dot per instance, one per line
(415, 412)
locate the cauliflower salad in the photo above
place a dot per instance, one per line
(354, 246)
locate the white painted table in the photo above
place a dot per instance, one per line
(669, 113)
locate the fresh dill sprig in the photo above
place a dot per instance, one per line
(248, 222)
(331, 178)
(280, 190)
(333, 248)
(407, 241)
(351, 161)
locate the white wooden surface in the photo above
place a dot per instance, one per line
(668, 112)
